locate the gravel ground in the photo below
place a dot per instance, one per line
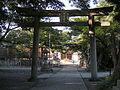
(15, 80)
(90, 85)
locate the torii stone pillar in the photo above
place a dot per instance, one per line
(93, 55)
(35, 50)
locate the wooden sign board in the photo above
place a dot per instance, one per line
(105, 23)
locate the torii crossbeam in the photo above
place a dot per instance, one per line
(63, 14)
(64, 21)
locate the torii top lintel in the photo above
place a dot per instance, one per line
(56, 13)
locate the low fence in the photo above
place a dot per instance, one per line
(27, 62)
(12, 57)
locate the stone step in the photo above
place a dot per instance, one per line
(115, 88)
(118, 83)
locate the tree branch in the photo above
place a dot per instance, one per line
(8, 29)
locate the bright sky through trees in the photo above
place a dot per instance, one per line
(69, 7)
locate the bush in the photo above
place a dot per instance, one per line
(107, 84)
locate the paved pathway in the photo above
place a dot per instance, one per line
(86, 74)
(66, 79)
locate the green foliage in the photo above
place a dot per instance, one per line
(8, 14)
(107, 84)
(83, 40)
(103, 3)
(20, 40)
(40, 4)
(20, 37)
(81, 19)
(103, 37)
(9, 18)
(57, 38)
(83, 4)
(21, 51)
(116, 3)
(62, 42)
(3, 15)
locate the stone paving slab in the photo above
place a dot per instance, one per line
(45, 75)
(88, 74)
(66, 79)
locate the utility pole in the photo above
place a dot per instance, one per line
(49, 42)
(49, 50)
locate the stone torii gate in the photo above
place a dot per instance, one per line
(64, 21)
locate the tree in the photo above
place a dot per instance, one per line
(116, 52)
(116, 3)
(16, 37)
(9, 18)
(6, 20)
(114, 32)
(37, 5)
(83, 4)
(104, 41)
(81, 40)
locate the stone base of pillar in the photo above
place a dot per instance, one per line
(46, 68)
(88, 69)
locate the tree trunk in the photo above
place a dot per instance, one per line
(35, 50)
(113, 49)
(100, 57)
(116, 73)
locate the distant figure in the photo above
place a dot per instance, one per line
(73, 61)
(50, 65)
(51, 70)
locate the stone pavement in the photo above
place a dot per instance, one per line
(66, 79)
(86, 74)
